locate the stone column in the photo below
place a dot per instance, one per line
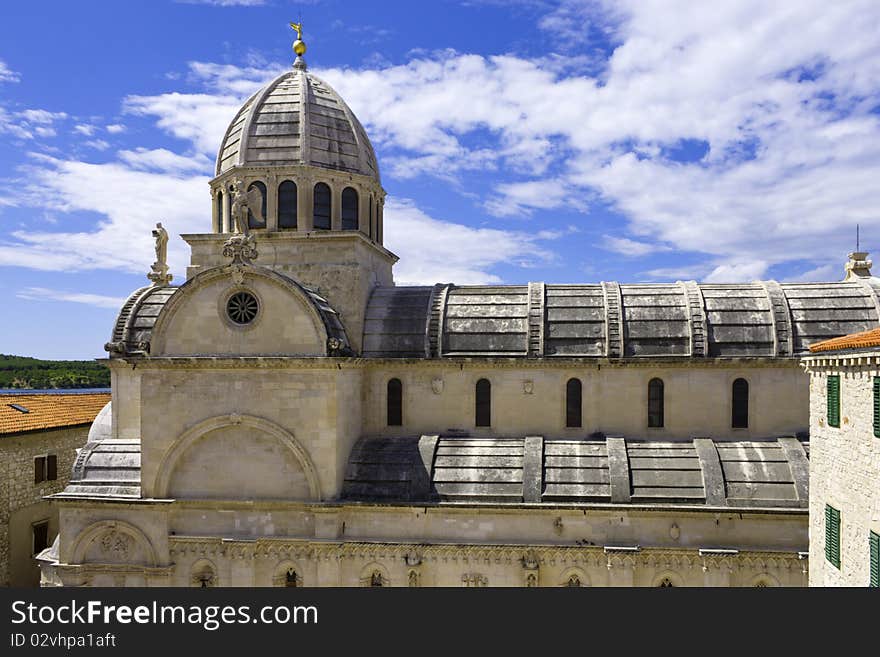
(224, 222)
(336, 205)
(305, 192)
(363, 210)
(380, 216)
(271, 202)
(216, 211)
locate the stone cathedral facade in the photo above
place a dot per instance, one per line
(288, 416)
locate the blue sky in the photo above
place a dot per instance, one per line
(566, 141)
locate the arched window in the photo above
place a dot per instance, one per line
(483, 406)
(349, 209)
(370, 227)
(655, 403)
(256, 215)
(290, 578)
(574, 580)
(376, 579)
(739, 416)
(219, 211)
(287, 204)
(395, 403)
(665, 583)
(573, 403)
(321, 215)
(378, 235)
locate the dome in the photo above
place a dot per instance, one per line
(297, 119)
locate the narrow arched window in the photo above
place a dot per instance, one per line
(370, 227)
(378, 234)
(219, 211)
(349, 209)
(573, 403)
(290, 578)
(395, 403)
(740, 405)
(256, 206)
(321, 214)
(287, 204)
(655, 403)
(483, 405)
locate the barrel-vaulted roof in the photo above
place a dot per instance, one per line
(610, 470)
(611, 320)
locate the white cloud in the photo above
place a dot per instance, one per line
(115, 128)
(434, 251)
(85, 129)
(161, 159)
(97, 144)
(630, 248)
(6, 74)
(201, 119)
(41, 116)
(818, 274)
(128, 204)
(43, 131)
(44, 294)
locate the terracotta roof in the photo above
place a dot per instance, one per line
(49, 411)
(852, 341)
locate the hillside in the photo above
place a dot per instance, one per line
(24, 372)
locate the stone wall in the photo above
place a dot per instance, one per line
(255, 544)
(844, 467)
(21, 500)
(529, 399)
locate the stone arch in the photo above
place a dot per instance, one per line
(192, 435)
(763, 580)
(283, 570)
(374, 572)
(667, 578)
(204, 574)
(238, 277)
(576, 574)
(119, 536)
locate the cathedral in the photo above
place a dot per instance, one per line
(288, 416)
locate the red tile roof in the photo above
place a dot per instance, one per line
(861, 340)
(49, 411)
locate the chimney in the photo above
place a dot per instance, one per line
(858, 266)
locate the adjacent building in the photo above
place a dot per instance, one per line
(845, 460)
(288, 416)
(39, 438)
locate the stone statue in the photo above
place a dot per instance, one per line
(240, 207)
(159, 269)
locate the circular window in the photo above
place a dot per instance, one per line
(242, 307)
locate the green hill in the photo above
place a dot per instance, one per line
(23, 372)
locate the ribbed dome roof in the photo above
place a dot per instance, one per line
(297, 119)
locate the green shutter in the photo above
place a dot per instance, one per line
(877, 406)
(832, 535)
(874, 542)
(834, 401)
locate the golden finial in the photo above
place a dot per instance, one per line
(299, 46)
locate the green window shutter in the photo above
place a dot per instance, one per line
(832, 536)
(834, 401)
(877, 406)
(874, 542)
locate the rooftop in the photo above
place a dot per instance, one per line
(861, 340)
(23, 412)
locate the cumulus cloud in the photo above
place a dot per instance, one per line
(85, 129)
(46, 294)
(115, 128)
(434, 251)
(6, 74)
(630, 248)
(121, 238)
(161, 159)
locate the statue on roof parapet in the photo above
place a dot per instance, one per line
(159, 274)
